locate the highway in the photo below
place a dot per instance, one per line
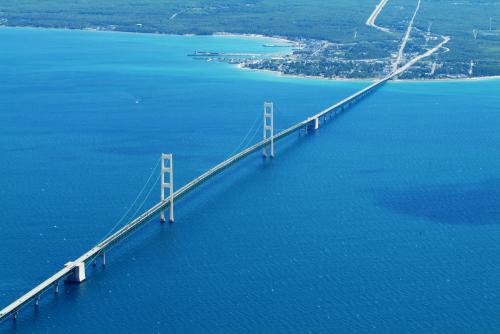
(396, 70)
(371, 20)
(426, 54)
(405, 39)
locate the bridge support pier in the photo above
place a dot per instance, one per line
(170, 185)
(37, 301)
(56, 288)
(78, 273)
(103, 256)
(305, 128)
(316, 123)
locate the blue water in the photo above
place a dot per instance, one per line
(384, 221)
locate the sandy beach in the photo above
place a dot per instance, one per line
(241, 66)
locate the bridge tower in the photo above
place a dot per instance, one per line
(169, 168)
(268, 127)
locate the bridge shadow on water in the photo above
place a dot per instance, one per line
(457, 204)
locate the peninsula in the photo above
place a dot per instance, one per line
(339, 39)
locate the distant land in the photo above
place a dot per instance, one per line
(333, 39)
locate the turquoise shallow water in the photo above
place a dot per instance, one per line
(384, 221)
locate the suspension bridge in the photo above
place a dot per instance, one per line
(75, 271)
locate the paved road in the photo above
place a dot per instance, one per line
(405, 39)
(395, 67)
(371, 20)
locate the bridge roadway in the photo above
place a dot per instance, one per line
(99, 249)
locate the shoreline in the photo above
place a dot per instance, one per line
(298, 76)
(281, 39)
(491, 77)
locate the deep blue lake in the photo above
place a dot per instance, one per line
(386, 220)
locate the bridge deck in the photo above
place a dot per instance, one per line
(14, 307)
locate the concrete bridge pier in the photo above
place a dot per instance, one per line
(303, 129)
(312, 124)
(78, 273)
